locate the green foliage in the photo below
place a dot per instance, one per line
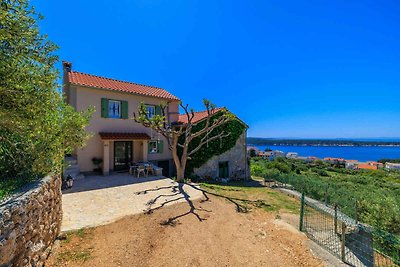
(257, 170)
(389, 160)
(36, 126)
(215, 147)
(157, 121)
(377, 192)
(252, 153)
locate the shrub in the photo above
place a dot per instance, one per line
(36, 126)
(257, 170)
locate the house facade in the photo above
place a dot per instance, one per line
(392, 166)
(233, 163)
(116, 138)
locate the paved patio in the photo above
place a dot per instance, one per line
(99, 200)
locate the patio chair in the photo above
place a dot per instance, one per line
(140, 169)
(132, 169)
(149, 168)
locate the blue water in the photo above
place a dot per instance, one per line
(363, 153)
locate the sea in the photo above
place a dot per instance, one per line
(360, 153)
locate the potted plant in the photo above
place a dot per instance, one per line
(67, 182)
(97, 163)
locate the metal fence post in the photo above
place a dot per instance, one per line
(343, 242)
(356, 209)
(335, 219)
(302, 212)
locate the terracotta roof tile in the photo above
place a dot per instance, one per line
(116, 136)
(79, 78)
(198, 116)
(367, 166)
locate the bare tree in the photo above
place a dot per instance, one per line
(172, 131)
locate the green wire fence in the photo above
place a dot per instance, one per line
(329, 216)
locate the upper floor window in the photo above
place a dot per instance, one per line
(151, 111)
(114, 109)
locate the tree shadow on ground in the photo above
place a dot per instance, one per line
(234, 183)
(178, 193)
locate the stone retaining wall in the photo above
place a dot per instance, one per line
(29, 224)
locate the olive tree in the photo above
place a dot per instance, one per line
(36, 126)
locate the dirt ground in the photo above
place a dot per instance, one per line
(202, 233)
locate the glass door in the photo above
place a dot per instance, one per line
(122, 155)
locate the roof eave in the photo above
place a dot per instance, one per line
(120, 91)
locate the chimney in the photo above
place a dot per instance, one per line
(67, 67)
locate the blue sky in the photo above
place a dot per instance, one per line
(310, 69)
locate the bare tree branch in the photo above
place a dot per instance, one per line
(179, 131)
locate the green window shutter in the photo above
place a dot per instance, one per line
(104, 108)
(158, 110)
(124, 109)
(160, 146)
(148, 147)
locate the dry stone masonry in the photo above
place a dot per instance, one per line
(237, 158)
(29, 224)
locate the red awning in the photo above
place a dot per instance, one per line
(119, 136)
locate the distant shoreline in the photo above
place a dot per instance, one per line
(366, 152)
(255, 141)
(325, 145)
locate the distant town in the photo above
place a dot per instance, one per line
(347, 163)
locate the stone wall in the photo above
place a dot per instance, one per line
(237, 158)
(29, 223)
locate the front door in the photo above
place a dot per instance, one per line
(223, 169)
(122, 155)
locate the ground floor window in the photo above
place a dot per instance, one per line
(155, 146)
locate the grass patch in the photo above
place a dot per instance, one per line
(254, 195)
(77, 254)
(74, 250)
(81, 234)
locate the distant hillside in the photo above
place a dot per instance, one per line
(321, 142)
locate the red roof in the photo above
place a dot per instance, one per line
(133, 136)
(79, 78)
(367, 166)
(198, 116)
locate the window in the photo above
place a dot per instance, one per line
(151, 111)
(117, 109)
(114, 109)
(153, 147)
